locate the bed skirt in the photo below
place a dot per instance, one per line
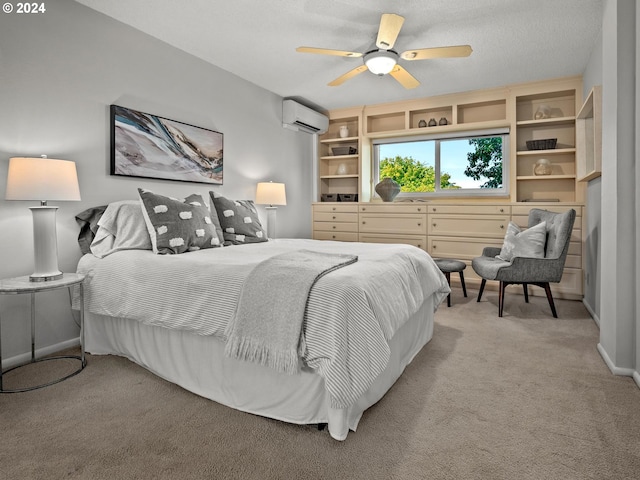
(197, 363)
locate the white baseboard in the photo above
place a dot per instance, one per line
(41, 352)
(591, 312)
(625, 372)
(636, 377)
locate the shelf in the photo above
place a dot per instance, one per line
(545, 177)
(555, 151)
(324, 177)
(338, 157)
(340, 140)
(546, 122)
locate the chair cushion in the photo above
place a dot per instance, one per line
(529, 243)
(488, 267)
(559, 227)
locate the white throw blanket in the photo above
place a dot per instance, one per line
(267, 326)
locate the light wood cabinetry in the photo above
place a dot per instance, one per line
(335, 222)
(589, 136)
(393, 223)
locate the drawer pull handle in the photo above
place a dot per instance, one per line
(363, 209)
(363, 222)
(334, 227)
(419, 224)
(333, 236)
(434, 209)
(333, 208)
(501, 226)
(334, 217)
(434, 247)
(434, 224)
(419, 209)
(502, 210)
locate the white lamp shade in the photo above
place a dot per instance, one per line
(270, 193)
(380, 62)
(42, 179)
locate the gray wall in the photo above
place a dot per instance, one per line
(59, 72)
(619, 320)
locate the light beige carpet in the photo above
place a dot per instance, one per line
(525, 396)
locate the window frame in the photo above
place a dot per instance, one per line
(504, 191)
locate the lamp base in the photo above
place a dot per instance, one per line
(45, 245)
(271, 221)
(45, 278)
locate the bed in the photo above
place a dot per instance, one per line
(361, 323)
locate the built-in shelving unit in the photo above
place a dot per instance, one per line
(339, 173)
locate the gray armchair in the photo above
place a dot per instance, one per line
(530, 271)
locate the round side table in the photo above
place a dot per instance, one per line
(21, 285)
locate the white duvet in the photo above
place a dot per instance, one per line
(352, 313)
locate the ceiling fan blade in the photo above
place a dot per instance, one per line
(403, 77)
(390, 25)
(327, 51)
(347, 76)
(437, 52)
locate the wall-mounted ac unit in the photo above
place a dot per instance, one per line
(300, 118)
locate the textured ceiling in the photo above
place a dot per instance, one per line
(513, 41)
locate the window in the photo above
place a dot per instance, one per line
(471, 163)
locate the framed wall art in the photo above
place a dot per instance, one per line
(145, 145)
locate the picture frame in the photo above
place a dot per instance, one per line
(149, 146)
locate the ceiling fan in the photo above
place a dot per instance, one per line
(384, 60)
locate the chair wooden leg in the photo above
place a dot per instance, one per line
(464, 287)
(448, 277)
(547, 290)
(482, 284)
(501, 288)
(526, 293)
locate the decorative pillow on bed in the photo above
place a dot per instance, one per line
(178, 226)
(121, 227)
(528, 243)
(239, 220)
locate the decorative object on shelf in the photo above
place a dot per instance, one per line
(43, 179)
(443, 121)
(544, 144)
(342, 169)
(542, 167)
(422, 123)
(388, 188)
(194, 154)
(270, 193)
(344, 131)
(347, 197)
(432, 122)
(542, 112)
(329, 197)
(344, 151)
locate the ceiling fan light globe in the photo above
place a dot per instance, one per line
(381, 62)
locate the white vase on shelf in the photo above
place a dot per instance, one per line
(344, 131)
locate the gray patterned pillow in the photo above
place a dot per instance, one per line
(178, 226)
(529, 243)
(239, 220)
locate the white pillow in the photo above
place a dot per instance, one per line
(121, 227)
(528, 243)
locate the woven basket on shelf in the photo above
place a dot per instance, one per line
(544, 144)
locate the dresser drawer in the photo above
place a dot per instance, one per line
(524, 209)
(419, 241)
(393, 208)
(389, 223)
(461, 248)
(468, 225)
(338, 236)
(336, 207)
(335, 217)
(471, 209)
(336, 226)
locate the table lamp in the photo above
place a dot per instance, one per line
(43, 179)
(269, 193)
